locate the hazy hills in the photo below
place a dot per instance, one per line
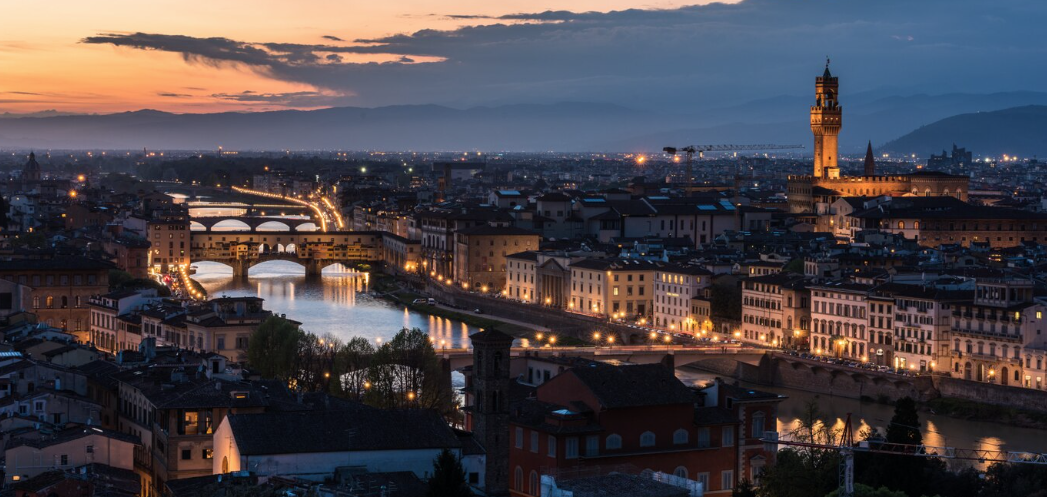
(1016, 131)
(570, 126)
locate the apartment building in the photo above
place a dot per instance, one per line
(922, 322)
(613, 288)
(674, 288)
(480, 254)
(839, 320)
(520, 272)
(989, 333)
(59, 288)
(775, 310)
(170, 242)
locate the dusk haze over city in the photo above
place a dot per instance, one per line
(749, 248)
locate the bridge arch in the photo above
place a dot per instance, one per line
(282, 262)
(230, 225)
(273, 226)
(196, 226)
(291, 248)
(307, 227)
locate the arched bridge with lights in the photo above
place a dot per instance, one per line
(314, 250)
(236, 224)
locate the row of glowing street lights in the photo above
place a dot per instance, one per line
(315, 208)
(188, 283)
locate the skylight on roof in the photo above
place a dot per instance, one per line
(704, 207)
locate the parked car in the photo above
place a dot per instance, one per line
(419, 301)
(478, 311)
(432, 301)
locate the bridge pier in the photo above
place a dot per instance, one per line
(240, 268)
(312, 267)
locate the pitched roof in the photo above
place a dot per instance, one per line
(69, 435)
(633, 386)
(340, 431)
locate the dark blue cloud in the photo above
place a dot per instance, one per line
(687, 58)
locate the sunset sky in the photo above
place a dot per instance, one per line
(213, 55)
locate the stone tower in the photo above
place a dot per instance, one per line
(870, 161)
(491, 406)
(826, 116)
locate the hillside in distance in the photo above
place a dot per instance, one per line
(878, 116)
(1020, 131)
(564, 126)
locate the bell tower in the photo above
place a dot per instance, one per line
(826, 115)
(490, 383)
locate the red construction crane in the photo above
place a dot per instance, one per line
(847, 448)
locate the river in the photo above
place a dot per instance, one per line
(941, 431)
(338, 302)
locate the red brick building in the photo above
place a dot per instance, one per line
(604, 416)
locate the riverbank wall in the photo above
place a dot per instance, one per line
(786, 371)
(560, 322)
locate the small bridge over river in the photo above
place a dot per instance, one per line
(680, 355)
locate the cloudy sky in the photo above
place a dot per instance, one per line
(213, 55)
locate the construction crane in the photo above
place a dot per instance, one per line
(690, 150)
(847, 449)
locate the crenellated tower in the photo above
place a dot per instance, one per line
(826, 115)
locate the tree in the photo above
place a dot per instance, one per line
(794, 266)
(406, 373)
(1005, 480)
(909, 475)
(861, 490)
(745, 488)
(905, 425)
(350, 367)
(274, 348)
(803, 472)
(448, 479)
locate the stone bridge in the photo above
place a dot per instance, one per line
(252, 223)
(314, 250)
(674, 355)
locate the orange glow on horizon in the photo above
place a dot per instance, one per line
(47, 67)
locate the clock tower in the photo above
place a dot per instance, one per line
(826, 115)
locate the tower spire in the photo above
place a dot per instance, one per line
(870, 162)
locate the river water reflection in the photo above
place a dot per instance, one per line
(338, 302)
(941, 431)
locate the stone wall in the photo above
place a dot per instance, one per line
(841, 381)
(990, 393)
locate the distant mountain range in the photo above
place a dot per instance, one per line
(1018, 131)
(568, 126)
